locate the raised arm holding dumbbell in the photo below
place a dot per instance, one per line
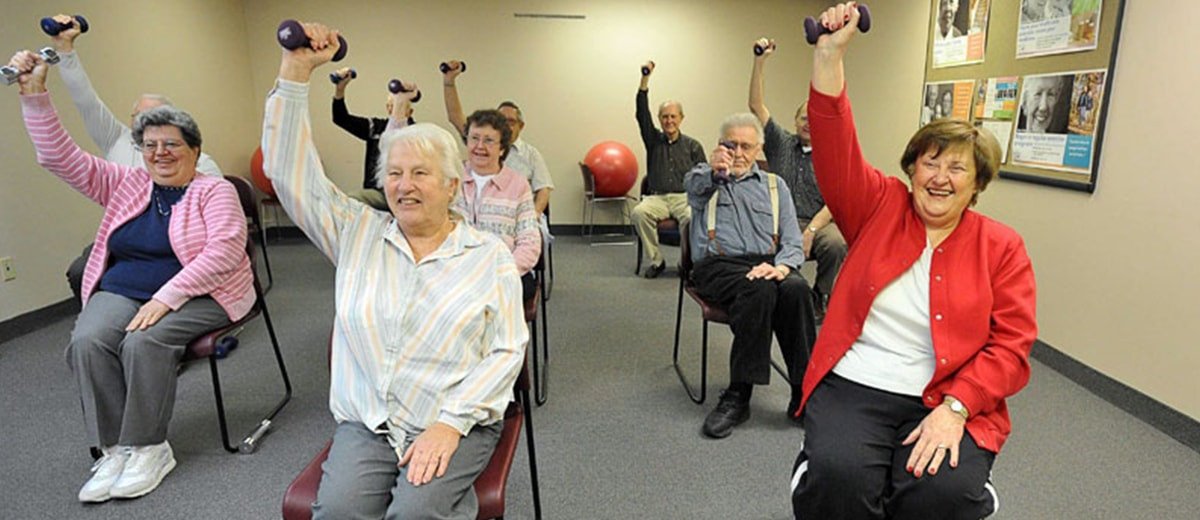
(669, 156)
(368, 129)
(925, 392)
(522, 157)
(790, 156)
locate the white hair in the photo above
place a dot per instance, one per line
(427, 139)
(742, 120)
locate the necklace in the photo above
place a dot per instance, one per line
(158, 198)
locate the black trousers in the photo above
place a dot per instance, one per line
(852, 465)
(755, 309)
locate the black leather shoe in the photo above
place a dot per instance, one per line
(732, 410)
(654, 270)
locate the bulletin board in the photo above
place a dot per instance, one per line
(1038, 74)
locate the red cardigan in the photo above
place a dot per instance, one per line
(981, 286)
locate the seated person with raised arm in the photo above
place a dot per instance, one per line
(113, 137)
(746, 246)
(368, 129)
(669, 156)
(168, 264)
(930, 326)
(429, 334)
(522, 157)
(790, 156)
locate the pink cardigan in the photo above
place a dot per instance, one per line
(207, 228)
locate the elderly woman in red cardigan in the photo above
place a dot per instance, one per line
(929, 327)
(169, 263)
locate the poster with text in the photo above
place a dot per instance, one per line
(1057, 27)
(1002, 130)
(959, 31)
(1057, 120)
(947, 99)
(996, 98)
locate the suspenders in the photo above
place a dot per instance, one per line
(711, 215)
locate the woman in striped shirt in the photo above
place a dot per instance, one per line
(168, 264)
(429, 334)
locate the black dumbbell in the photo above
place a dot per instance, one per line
(814, 30)
(52, 27)
(225, 346)
(646, 70)
(335, 78)
(396, 87)
(291, 37)
(10, 74)
(445, 67)
(759, 49)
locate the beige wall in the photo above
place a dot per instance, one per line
(200, 64)
(1115, 268)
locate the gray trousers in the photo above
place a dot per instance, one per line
(829, 250)
(127, 379)
(360, 478)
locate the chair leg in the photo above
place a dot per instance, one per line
(266, 260)
(216, 379)
(697, 396)
(533, 473)
(783, 373)
(548, 276)
(251, 442)
(638, 268)
(541, 388)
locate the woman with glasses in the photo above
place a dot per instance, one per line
(168, 264)
(497, 199)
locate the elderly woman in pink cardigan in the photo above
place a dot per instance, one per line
(169, 263)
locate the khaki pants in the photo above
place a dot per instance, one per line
(654, 208)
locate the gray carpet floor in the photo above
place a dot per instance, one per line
(617, 439)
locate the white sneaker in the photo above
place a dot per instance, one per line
(143, 472)
(105, 472)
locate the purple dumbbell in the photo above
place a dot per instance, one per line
(52, 27)
(814, 30)
(646, 70)
(336, 78)
(291, 36)
(396, 87)
(759, 49)
(445, 67)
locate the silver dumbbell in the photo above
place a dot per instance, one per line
(11, 74)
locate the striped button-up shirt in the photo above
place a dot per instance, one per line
(439, 340)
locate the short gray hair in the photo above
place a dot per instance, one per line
(161, 99)
(427, 139)
(167, 115)
(742, 120)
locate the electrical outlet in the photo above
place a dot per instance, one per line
(7, 269)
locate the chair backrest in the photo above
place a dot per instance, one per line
(245, 193)
(644, 187)
(589, 181)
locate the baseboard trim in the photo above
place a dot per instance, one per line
(25, 323)
(598, 229)
(1168, 420)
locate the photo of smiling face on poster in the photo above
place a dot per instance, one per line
(1045, 104)
(951, 19)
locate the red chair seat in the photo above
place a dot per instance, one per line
(489, 486)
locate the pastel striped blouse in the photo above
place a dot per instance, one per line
(505, 209)
(440, 340)
(207, 228)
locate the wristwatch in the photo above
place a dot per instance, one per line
(956, 406)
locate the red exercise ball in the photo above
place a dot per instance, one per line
(614, 167)
(256, 173)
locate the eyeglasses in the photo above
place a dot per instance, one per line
(474, 140)
(744, 147)
(171, 145)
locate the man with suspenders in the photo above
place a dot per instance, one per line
(747, 246)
